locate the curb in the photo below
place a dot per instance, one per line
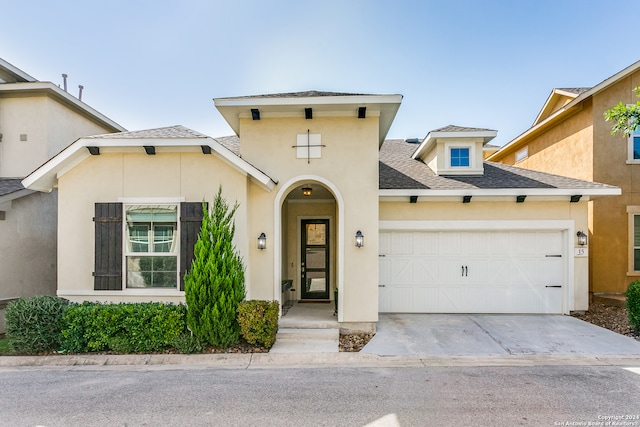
(309, 360)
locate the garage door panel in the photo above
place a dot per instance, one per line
(472, 272)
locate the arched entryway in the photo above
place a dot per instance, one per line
(309, 240)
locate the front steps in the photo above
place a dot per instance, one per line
(308, 328)
(304, 340)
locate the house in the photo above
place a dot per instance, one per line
(37, 120)
(571, 137)
(325, 201)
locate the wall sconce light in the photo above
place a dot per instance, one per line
(359, 239)
(582, 238)
(262, 241)
(306, 191)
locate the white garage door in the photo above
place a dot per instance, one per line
(471, 272)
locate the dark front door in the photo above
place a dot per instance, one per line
(315, 259)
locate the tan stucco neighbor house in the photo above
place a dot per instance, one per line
(571, 137)
(37, 120)
(393, 225)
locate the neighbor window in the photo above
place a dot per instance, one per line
(151, 246)
(522, 154)
(459, 157)
(636, 242)
(634, 146)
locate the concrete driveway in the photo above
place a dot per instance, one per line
(494, 334)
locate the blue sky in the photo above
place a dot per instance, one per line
(154, 63)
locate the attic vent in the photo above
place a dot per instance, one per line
(412, 141)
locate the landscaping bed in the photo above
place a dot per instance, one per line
(610, 317)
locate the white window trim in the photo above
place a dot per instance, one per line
(630, 159)
(632, 211)
(128, 201)
(449, 147)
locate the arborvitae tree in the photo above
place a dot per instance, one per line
(214, 286)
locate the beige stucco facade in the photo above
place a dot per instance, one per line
(577, 142)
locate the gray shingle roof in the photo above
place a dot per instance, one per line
(576, 90)
(171, 132)
(305, 94)
(454, 128)
(398, 171)
(232, 143)
(10, 185)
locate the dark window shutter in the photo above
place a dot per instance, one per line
(108, 250)
(190, 222)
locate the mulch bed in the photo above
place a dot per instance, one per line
(609, 317)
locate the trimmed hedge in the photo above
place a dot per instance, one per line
(34, 324)
(123, 328)
(633, 304)
(258, 321)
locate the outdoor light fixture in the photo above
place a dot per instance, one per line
(362, 112)
(306, 191)
(308, 113)
(359, 239)
(255, 114)
(582, 238)
(262, 241)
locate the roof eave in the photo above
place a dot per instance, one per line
(545, 193)
(60, 94)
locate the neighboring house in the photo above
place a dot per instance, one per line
(571, 137)
(37, 120)
(394, 226)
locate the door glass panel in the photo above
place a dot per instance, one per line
(316, 281)
(316, 257)
(316, 234)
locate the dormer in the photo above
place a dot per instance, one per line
(455, 150)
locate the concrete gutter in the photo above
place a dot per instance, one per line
(304, 361)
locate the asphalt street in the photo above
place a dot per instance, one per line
(426, 396)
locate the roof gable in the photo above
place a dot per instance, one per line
(168, 139)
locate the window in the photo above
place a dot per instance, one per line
(151, 246)
(459, 157)
(522, 154)
(634, 146)
(636, 242)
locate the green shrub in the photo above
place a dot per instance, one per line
(187, 343)
(633, 304)
(259, 321)
(34, 324)
(123, 328)
(214, 285)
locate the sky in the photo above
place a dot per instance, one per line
(488, 64)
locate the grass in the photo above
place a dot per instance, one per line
(5, 348)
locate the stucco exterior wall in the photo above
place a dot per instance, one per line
(192, 177)
(49, 127)
(28, 247)
(349, 169)
(532, 213)
(611, 271)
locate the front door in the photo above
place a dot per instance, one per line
(315, 259)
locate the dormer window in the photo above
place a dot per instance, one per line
(460, 157)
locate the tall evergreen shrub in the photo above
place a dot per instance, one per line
(214, 286)
(633, 304)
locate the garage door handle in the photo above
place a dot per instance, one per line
(553, 256)
(553, 286)
(382, 255)
(381, 286)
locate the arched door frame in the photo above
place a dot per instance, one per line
(277, 227)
